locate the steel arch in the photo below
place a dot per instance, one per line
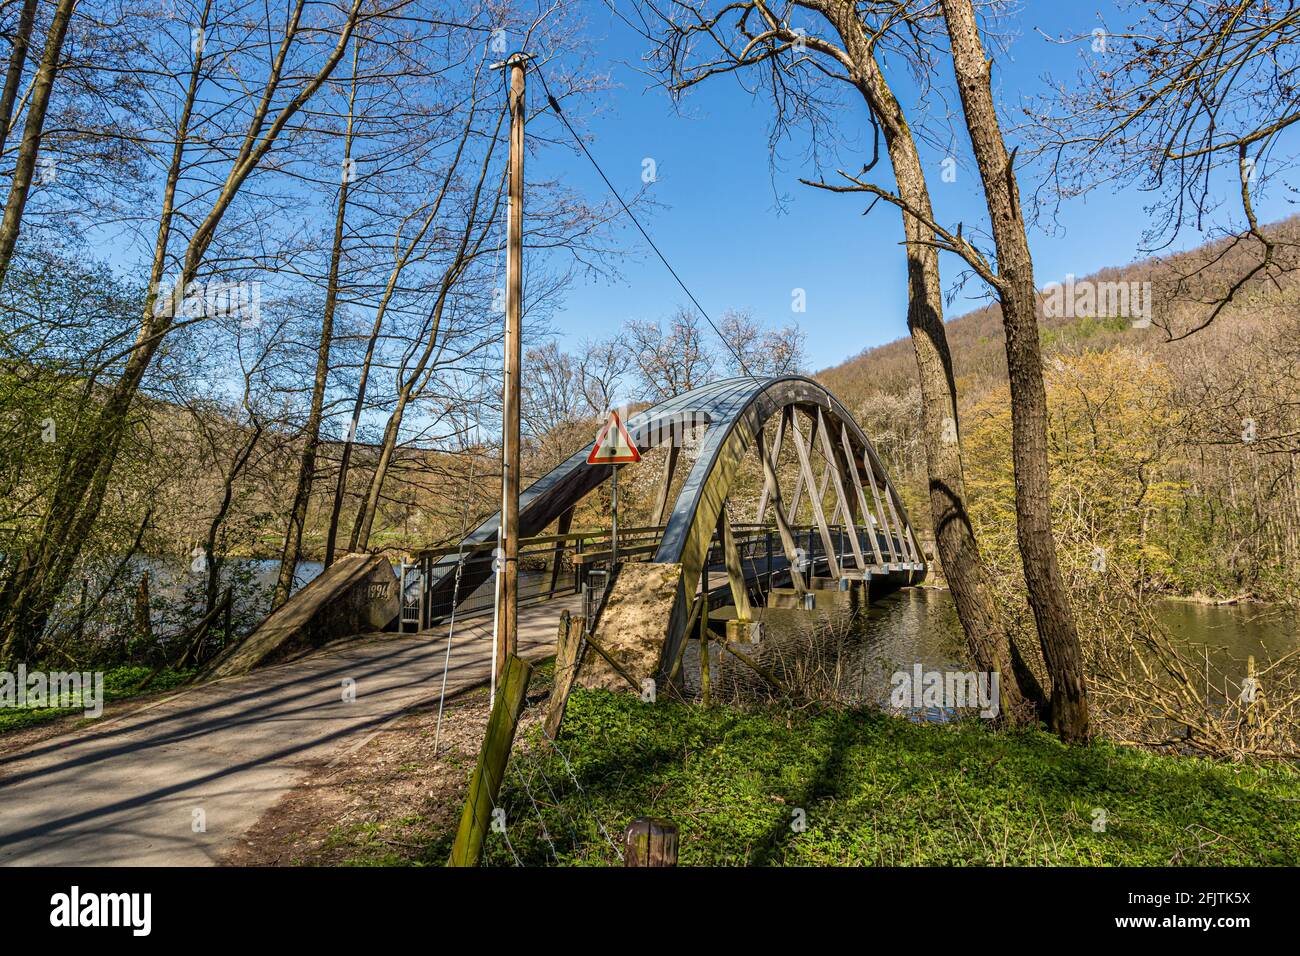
(734, 410)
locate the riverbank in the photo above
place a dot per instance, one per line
(123, 686)
(785, 787)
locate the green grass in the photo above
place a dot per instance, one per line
(120, 683)
(879, 790)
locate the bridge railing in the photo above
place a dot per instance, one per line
(549, 566)
(579, 562)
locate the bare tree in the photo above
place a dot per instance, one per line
(795, 63)
(670, 359)
(602, 367)
(1193, 102)
(762, 351)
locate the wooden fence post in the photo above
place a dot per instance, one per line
(568, 643)
(650, 842)
(485, 783)
(143, 624)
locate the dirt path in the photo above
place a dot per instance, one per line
(179, 782)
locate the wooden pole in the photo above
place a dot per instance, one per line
(650, 842)
(704, 631)
(485, 783)
(613, 507)
(568, 643)
(508, 609)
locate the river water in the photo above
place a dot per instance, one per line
(857, 651)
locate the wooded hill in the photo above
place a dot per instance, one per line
(1176, 456)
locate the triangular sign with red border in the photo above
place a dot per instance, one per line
(614, 446)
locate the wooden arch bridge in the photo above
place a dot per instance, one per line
(723, 443)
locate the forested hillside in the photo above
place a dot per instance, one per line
(1174, 458)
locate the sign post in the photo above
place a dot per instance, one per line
(613, 447)
(613, 521)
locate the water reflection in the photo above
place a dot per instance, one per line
(852, 651)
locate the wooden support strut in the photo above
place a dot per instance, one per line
(880, 510)
(562, 528)
(856, 479)
(761, 516)
(819, 516)
(796, 498)
(782, 526)
(666, 482)
(890, 495)
(735, 571)
(832, 460)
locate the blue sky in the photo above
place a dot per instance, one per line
(720, 227)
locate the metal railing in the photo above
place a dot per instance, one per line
(579, 563)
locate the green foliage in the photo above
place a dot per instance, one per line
(877, 790)
(120, 683)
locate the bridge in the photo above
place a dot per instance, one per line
(772, 447)
(768, 449)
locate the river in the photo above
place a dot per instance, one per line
(858, 650)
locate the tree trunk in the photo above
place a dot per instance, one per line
(214, 528)
(986, 639)
(292, 548)
(33, 129)
(1048, 596)
(14, 75)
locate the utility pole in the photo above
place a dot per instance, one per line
(508, 594)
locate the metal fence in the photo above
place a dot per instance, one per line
(580, 563)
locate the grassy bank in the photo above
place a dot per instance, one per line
(878, 790)
(120, 683)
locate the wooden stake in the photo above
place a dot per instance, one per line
(568, 642)
(485, 783)
(650, 842)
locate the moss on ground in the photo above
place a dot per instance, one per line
(852, 788)
(120, 683)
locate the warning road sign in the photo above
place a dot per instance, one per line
(614, 446)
